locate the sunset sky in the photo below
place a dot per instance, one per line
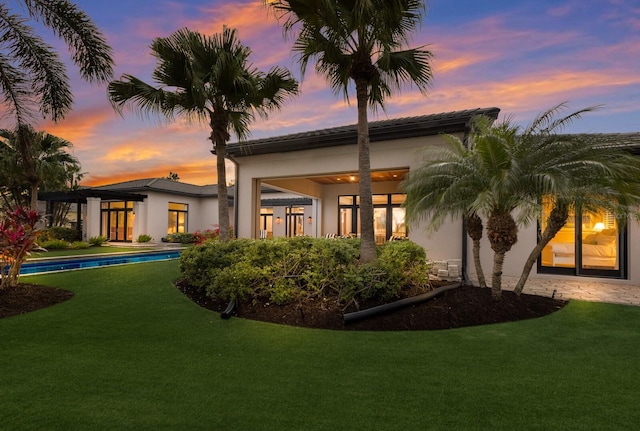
(521, 56)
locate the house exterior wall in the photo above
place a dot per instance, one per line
(290, 171)
(527, 239)
(203, 214)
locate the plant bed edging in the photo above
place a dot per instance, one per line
(386, 308)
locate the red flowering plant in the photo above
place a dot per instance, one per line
(18, 236)
(208, 235)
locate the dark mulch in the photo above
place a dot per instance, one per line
(29, 297)
(455, 308)
(462, 306)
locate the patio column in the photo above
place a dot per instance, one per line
(91, 225)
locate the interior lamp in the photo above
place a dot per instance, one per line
(599, 227)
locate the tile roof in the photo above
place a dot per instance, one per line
(163, 185)
(425, 125)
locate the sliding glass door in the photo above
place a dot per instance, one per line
(590, 244)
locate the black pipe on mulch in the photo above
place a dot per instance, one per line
(386, 308)
(229, 310)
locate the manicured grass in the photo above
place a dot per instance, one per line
(129, 352)
(87, 251)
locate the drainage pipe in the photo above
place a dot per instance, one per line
(380, 309)
(226, 314)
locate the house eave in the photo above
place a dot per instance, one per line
(451, 122)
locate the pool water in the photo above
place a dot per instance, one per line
(37, 267)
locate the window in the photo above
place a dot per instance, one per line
(178, 216)
(388, 216)
(589, 244)
(295, 221)
(266, 222)
(116, 222)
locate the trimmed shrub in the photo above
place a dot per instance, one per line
(283, 270)
(181, 237)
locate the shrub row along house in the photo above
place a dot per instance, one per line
(307, 184)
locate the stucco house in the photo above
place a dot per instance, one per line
(322, 165)
(157, 207)
(307, 184)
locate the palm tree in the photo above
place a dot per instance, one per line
(504, 170)
(31, 73)
(470, 180)
(207, 79)
(46, 162)
(576, 172)
(359, 42)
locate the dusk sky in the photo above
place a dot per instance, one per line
(520, 56)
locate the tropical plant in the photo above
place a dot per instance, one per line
(584, 172)
(503, 172)
(31, 73)
(144, 238)
(208, 79)
(359, 42)
(97, 241)
(58, 211)
(18, 235)
(45, 161)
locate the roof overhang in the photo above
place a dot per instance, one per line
(451, 122)
(80, 196)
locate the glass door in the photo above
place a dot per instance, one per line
(589, 244)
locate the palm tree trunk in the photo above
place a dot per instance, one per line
(34, 197)
(557, 219)
(223, 195)
(367, 238)
(478, 264)
(496, 279)
(473, 226)
(219, 136)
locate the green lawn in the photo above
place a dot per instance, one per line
(129, 352)
(88, 251)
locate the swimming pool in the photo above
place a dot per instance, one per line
(67, 264)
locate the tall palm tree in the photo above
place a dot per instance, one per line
(31, 73)
(359, 42)
(207, 79)
(46, 162)
(505, 170)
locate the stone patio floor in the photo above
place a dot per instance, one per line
(582, 289)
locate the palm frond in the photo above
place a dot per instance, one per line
(89, 49)
(43, 70)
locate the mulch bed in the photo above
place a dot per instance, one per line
(459, 307)
(25, 298)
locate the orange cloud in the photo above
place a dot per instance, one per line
(80, 125)
(130, 153)
(199, 173)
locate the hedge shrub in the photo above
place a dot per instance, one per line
(58, 232)
(291, 269)
(181, 237)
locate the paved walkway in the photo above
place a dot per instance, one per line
(582, 289)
